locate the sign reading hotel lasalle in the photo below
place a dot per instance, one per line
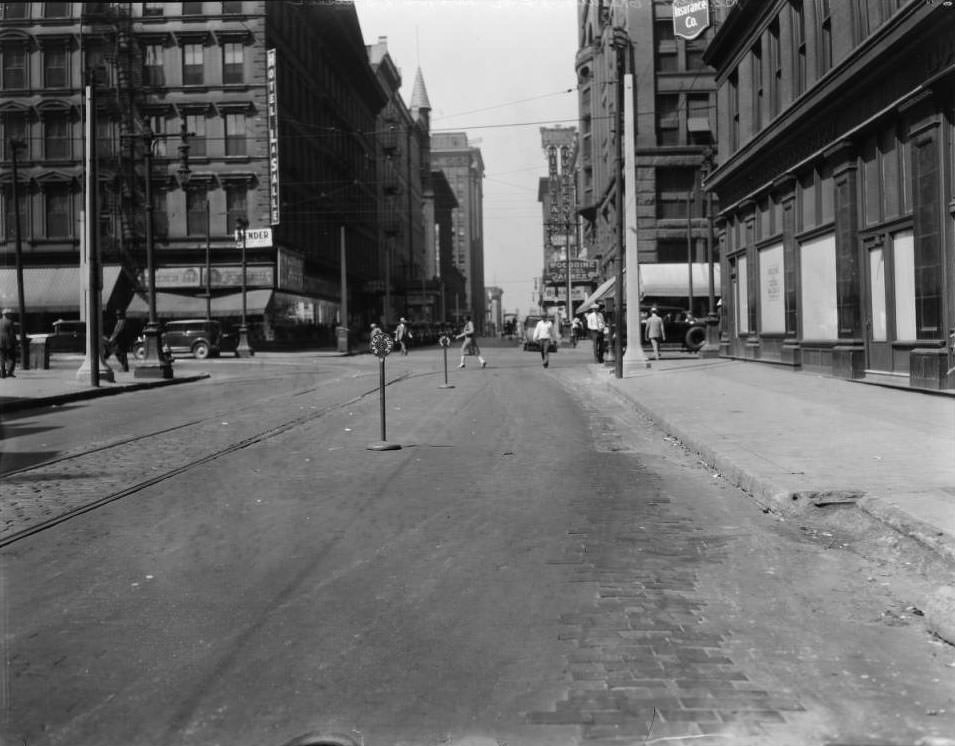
(272, 110)
(690, 17)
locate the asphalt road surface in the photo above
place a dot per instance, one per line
(228, 563)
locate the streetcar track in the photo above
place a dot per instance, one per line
(271, 432)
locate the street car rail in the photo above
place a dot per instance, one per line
(86, 506)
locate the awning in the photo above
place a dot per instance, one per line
(662, 281)
(52, 289)
(605, 290)
(673, 280)
(175, 306)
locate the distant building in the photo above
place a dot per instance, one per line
(463, 167)
(675, 104)
(835, 181)
(557, 194)
(495, 310)
(405, 198)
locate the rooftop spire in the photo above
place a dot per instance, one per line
(419, 96)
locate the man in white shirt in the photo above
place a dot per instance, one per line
(544, 334)
(595, 327)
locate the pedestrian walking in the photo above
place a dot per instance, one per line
(544, 333)
(118, 342)
(576, 329)
(596, 326)
(8, 344)
(655, 332)
(402, 335)
(470, 345)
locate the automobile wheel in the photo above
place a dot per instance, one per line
(200, 350)
(695, 337)
(139, 352)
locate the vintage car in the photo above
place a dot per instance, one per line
(680, 327)
(196, 337)
(528, 343)
(69, 335)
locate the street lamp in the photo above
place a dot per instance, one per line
(711, 347)
(155, 363)
(15, 146)
(243, 349)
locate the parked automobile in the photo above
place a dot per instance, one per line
(679, 326)
(69, 335)
(530, 323)
(196, 337)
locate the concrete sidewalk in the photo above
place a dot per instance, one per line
(794, 439)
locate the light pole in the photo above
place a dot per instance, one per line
(15, 146)
(156, 364)
(243, 349)
(711, 347)
(621, 43)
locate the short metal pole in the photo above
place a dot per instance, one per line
(381, 387)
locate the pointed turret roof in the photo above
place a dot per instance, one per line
(419, 96)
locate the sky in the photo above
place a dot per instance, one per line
(498, 70)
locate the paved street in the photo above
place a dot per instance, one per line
(537, 565)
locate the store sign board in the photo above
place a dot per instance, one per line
(581, 270)
(690, 18)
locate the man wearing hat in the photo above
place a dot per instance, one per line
(402, 335)
(8, 344)
(595, 326)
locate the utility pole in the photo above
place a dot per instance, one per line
(208, 261)
(16, 145)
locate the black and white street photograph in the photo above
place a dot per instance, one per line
(477, 373)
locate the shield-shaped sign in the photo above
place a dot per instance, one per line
(690, 17)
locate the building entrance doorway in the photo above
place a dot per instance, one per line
(890, 300)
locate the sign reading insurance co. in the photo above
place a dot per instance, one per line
(690, 17)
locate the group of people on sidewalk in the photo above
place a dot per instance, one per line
(115, 345)
(599, 331)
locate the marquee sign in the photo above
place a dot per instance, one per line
(690, 18)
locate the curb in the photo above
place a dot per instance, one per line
(93, 393)
(769, 495)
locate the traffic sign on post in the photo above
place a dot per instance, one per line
(255, 238)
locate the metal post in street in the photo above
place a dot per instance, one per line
(445, 342)
(243, 349)
(15, 146)
(381, 345)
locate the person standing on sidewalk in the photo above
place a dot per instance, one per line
(8, 345)
(470, 345)
(655, 333)
(544, 333)
(118, 341)
(595, 326)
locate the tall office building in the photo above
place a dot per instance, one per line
(675, 131)
(463, 167)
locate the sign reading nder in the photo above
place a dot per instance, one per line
(690, 18)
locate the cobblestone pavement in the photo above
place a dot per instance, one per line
(663, 656)
(103, 471)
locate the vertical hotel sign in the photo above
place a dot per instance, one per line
(273, 123)
(690, 17)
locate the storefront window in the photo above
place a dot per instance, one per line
(818, 285)
(772, 301)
